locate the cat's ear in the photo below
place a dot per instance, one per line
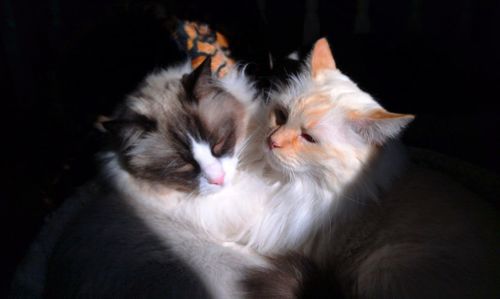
(100, 123)
(321, 58)
(378, 125)
(198, 83)
(115, 126)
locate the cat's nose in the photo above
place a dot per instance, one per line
(273, 144)
(219, 180)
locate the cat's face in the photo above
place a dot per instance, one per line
(322, 124)
(181, 133)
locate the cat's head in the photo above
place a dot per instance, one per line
(322, 124)
(182, 130)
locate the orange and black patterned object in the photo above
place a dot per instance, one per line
(200, 42)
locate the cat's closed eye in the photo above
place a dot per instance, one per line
(217, 148)
(224, 145)
(308, 138)
(186, 168)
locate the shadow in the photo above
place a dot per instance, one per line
(64, 62)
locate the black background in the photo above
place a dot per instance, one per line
(64, 62)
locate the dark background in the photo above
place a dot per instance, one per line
(64, 62)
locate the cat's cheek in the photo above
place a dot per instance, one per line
(229, 165)
(273, 161)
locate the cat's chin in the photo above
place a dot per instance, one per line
(205, 188)
(274, 163)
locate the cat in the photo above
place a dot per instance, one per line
(162, 220)
(348, 198)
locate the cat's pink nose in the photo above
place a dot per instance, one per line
(217, 180)
(273, 144)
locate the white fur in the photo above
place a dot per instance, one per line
(265, 206)
(293, 56)
(237, 83)
(174, 73)
(207, 209)
(417, 239)
(312, 195)
(211, 167)
(269, 206)
(199, 226)
(229, 164)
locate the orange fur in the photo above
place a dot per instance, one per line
(313, 116)
(196, 62)
(221, 39)
(330, 143)
(190, 30)
(285, 137)
(217, 60)
(203, 29)
(305, 115)
(314, 101)
(378, 114)
(313, 109)
(290, 146)
(322, 58)
(206, 48)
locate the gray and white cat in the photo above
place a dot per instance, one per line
(161, 223)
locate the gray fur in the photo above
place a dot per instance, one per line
(151, 132)
(126, 244)
(108, 252)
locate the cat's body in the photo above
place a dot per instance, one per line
(425, 237)
(118, 247)
(379, 226)
(163, 226)
(107, 251)
(323, 178)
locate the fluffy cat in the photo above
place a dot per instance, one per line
(346, 197)
(158, 224)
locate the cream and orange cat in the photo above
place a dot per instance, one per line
(346, 197)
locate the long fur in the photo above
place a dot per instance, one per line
(306, 200)
(143, 235)
(338, 201)
(347, 198)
